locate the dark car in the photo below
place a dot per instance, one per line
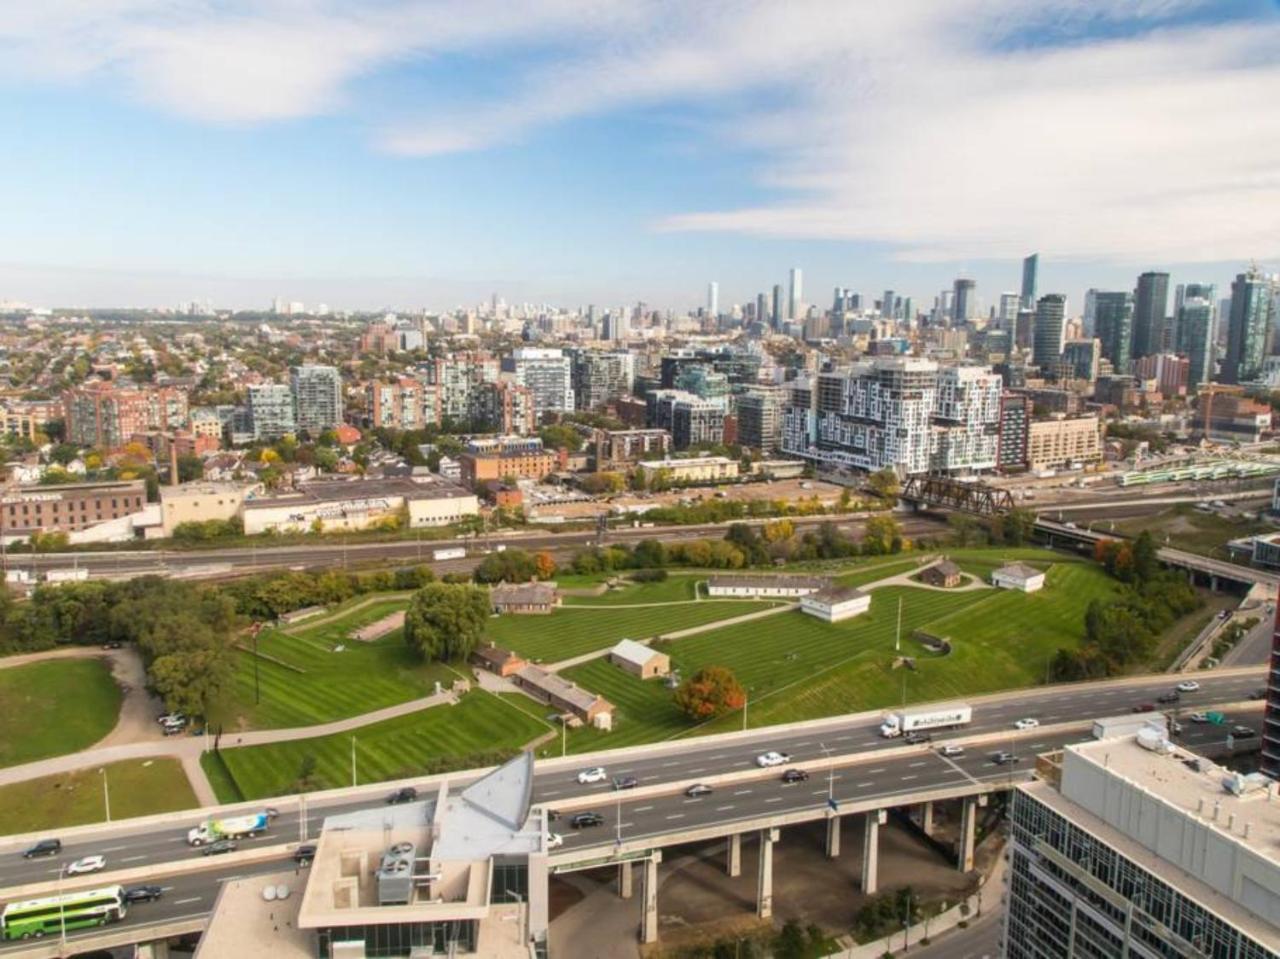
(1003, 758)
(304, 854)
(625, 782)
(45, 847)
(585, 819)
(1243, 732)
(915, 739)
(1172, 697)
(1145, 708)
(407, 794)
(794, 776)
(142, 894)
(219, 846)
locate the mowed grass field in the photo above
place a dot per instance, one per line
(55, 707)
(480, 722)
(676, 588)
(137, 787)
(573, 630)
(331, 685)
(796, 667)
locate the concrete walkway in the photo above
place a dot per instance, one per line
(907, 579)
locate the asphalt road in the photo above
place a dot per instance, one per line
(194, 894)
(127, 846)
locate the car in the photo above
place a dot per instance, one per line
(595, 774)
(772, 758)
(304, 854)
(1188, 686)
(915, 739)
(134, 894)
(697, 790)
(220, 846)
(113, 644)
(165, 719)
(1198, 718)
(1243, 732)
(45, 847)
(625, 782)
(1004, 758)
(86, 864)
(585, 819)
(402, 795)
(952, 750)
(1145, 708)
(794, 776)
(174, 729)
(554, 840)
(1168, 698)
(1027, 723)
(271, 812)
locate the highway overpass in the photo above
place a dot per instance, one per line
(848, 763)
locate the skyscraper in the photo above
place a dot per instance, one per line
(317, 398)
(713, 298)
(1252, 307)
(1051, 321)
(548, 373)
(1150, 301)
(796, 299)
(1029, 268)
(776, 315)
(762, 309)
(1196, 333)
(1183, 293)
(1271, 718)
(963, 302)
(1113, 325)
(887, 305)
(1007, 317)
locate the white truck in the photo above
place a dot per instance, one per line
(455, 552)
(211, 830)
(906, 721)
(1128, 725)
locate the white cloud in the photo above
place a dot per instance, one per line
(933, 128)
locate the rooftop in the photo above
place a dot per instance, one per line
(247, 925)
(633, 652)
(1020, 570)
(688, 461)
(557, 686)
(331, 491)
(520, 594)
(767, 580)
(837, 594)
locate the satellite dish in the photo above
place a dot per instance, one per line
(269, 894)
(282, 892)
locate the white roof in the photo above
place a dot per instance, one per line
(633, 652)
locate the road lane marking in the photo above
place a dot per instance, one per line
(183, 902)
(874, 771)
(914, 765)
(774, 799)
(641, 808)
(678, 815)
(132, 858)
(723, 808)
(905, 778)
(862, 785)
(743, 792)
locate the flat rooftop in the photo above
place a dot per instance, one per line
(247, 926)
(334, 491)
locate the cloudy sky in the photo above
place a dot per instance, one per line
(431, 152)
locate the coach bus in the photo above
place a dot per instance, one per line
(51, 915)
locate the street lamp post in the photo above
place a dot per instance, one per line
(353, 761)
(106, 793)
(831, 775)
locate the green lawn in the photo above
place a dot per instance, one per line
(137, 787)
(676, 588)
(55, 707)
(1184, 527)
(480, 722)
(574, 630)
(333, 685)
(882, 570)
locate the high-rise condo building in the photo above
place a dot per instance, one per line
(548, 373)
(1050, 329)
(1271, 718)
(1007, 316)
(713, 299)
(1030, 266)
(964, 304)
(271, 411)
(795, 301)
(1113, 325)
(317, 398)
(775, 321)
(1150, 301)
(1249, 325)
(1197, 339)
(888, 305)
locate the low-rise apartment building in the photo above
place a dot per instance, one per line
(1063, 441)
(68, 508)
(702, 469)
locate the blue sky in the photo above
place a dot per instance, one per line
(408, 154)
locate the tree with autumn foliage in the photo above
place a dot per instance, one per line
(710, 692)
(544, 565)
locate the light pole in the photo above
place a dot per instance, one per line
(106, 793)
(62, 907)
(353, 760)
(831, 775)
(564, 737)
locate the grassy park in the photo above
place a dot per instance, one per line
(136, 787)
(480, 722)
(1182, 526)
(55, 707)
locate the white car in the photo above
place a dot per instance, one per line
(952, 750)
(772, 758)
(1188, 686)
(1028, 723)
(86, 864)
(595, 774)
(554, 840)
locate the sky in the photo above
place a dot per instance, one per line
(430, 153)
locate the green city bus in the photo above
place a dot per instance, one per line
(51, 915)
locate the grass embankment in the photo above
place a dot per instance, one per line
(55, 707)
(324, 684)
(137, 787)
(481, 722)
(1182, 526)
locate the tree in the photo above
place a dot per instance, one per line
(884, 483)
(883, 535)
(446, 621)
(556, 436)
(1145, 565)
(544, 564)
(710, 692)
(509, 566)
(597, 483)
(190, 468)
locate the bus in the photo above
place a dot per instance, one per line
(49, 916)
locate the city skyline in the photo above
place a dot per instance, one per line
(409, 154)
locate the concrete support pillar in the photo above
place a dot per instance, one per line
(871, 852)
(1213, 583)
(624, 880)
(154, 950)
(764, 887)
(926, 818)
(649, 927)
(968, 826)
(733, 857)
(833, 836)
